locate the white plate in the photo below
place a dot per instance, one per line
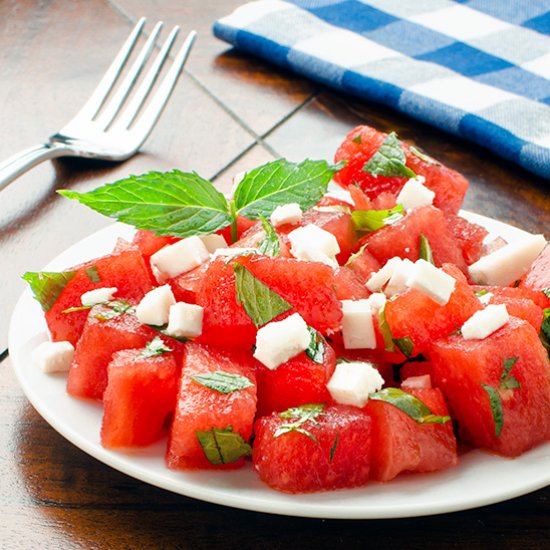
(479, 479)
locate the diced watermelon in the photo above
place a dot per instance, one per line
(400, 444)
(103, 335)
(308, 286)
(125, 271)
(469, 235)
(201, 409)
(523, 308)
(349, 285)
(186, 286)
(464, 369)
(538, 277)
(334, 452)
(414, 315)
(402, 238)
(140, 395)
(296, 382)
(363, 263)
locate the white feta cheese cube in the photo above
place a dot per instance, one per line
(286, 213)
(507, 264)
(400, 275)
(484, 322)
(431, 281)
(185, 320)
(213, 242)
(154, 308)
(353, 382)
(279, 341)
(314, 244)
(379, 278)
(177, 258)
(337, 192)
(53, 356)
(357, 325)
(98, 296)
(415, 194)
(377, 301)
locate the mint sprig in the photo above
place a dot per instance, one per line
(222, 381)
(183, 204)
(410, 405)
(46, 286)
(261, 303)
(389, 160)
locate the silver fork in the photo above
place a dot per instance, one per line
(94, 132)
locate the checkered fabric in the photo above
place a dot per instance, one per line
(479, 69)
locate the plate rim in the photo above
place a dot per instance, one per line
(282, 504)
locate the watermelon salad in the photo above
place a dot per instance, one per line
(328, 325)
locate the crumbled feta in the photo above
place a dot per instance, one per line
(400, 275)
(357, 325)
(279, 341)
(177, 258)
(377, 301)
(485, 298)
(185, 320)
(98, 296)
(312, 243)
(154, 307)
(335, 191)
(507, 264)
(213, 242)
(353, 382)
(379, 278)
(432, 281)
(53, 356)
(484, 322)
(415, 194)
(286, 213)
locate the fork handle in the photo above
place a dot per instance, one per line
(19, 163)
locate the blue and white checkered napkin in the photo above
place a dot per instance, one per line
(479, 69)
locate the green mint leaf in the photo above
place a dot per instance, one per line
(282, 182)
(223, 446)
(260, 302)
(425, 252)
(371, 220)
(93, 274)
(46, 286)
(389, 160)
(333, 449)
(410, 405)
(170, 203)
(546, 292)
(385, 330)
(496, 407)
(155, 347)
(405, 345)
(76, 308)
(507, 380)
(421, 155)
(113, 309)
(269, 245)
(516, 283)
(316, 349)
(300, 415)
(161, 329)
(222, 381)
(480, 293)
(545, 327)
(357, 139)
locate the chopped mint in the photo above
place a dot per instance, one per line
(496, 407)
(389, 160)
(480, 293)
(333, 449)
(222, 381)
(357, 139)
(48, 285)
(385, 330)
(405, 345)
(93, 274)
(300, 415)
(114, 309)
(507, 380)
(410, 405)
(316, 349)
(425, 249)
(418, 153)
(223, 446)
(261, 303)
(155, 347)
(546, 292)
(371, 220)
(269, 245)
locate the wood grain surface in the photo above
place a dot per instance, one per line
(230, 112)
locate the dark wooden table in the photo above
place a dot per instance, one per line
(229, 112)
